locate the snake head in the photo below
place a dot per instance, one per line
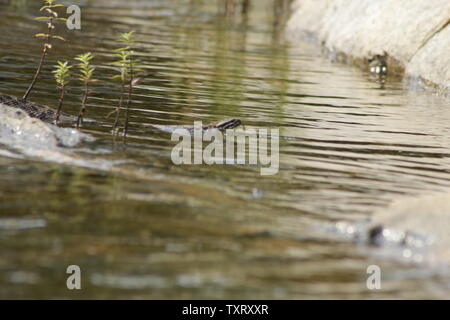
(228, 124)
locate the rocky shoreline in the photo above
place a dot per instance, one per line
(415, 34)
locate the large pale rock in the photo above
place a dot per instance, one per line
(415, 33)
(432, 62)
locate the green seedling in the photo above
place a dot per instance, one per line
(51, 18)
(122, 64)
(86, 72)
(126, 66)
(62, 74)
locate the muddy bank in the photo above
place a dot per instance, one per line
(414, 33)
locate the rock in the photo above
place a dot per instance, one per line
(419, 224)
(414, 33)
(34, 138)
(433, 60)
(18, 128)
(412, 229)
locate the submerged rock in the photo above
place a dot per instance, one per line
(18, 129)
(22, 136)
(32, 137)
(416, 229)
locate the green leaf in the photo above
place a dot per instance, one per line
(123, 49)
(59, 38)
(58, 5)
(51, 5)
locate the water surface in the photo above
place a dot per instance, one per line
(149, 229)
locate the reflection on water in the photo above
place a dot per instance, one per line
(149, 229)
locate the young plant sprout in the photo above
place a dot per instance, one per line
(127, 68)
(51, 18)
(122, 64)
(62, 73)
(86, 72)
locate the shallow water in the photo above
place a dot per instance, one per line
(149, 229)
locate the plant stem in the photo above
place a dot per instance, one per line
(119, 107)
(130, 90)
(61, 101)
(41, 63)
(83, 105)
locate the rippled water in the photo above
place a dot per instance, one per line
(149, 229)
